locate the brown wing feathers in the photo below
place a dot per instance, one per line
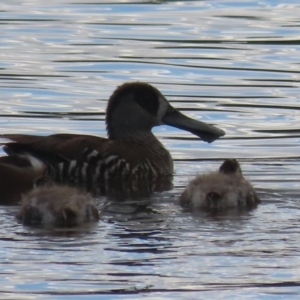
(68, 146)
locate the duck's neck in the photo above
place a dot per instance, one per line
(141, 138)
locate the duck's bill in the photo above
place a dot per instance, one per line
(206, 132)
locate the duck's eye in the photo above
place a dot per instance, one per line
(148, 101)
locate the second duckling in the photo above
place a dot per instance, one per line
(226, 188)
(57, 206)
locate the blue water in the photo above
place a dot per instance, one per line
(234, 64)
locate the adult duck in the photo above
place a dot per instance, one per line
(131, 154)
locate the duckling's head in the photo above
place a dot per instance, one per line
(230, 166)
(225, 189)
(55, 205)
(137, 107)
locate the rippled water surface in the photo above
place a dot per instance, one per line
(230, 63)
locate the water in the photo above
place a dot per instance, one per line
(231, 63)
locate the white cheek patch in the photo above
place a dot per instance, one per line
(163, 107)
(36, 163)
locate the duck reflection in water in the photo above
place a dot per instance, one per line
(217, 191)
(53, 205)
(131, 155)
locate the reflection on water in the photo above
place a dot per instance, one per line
(230, 63)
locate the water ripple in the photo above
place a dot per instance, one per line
(234, 64)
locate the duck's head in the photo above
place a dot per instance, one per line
(137, 107)
(230, 166)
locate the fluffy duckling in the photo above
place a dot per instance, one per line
(57, 206)
(226, 188)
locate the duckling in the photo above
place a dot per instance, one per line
(57, 206)
(226, 188)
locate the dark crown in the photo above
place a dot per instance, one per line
(144, 94)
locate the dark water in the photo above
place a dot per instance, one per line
(231, 63)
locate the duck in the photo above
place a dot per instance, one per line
(223, 189)
(130, 156)
(57, 206)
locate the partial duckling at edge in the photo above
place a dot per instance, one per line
(224, 189)
(57, 206)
